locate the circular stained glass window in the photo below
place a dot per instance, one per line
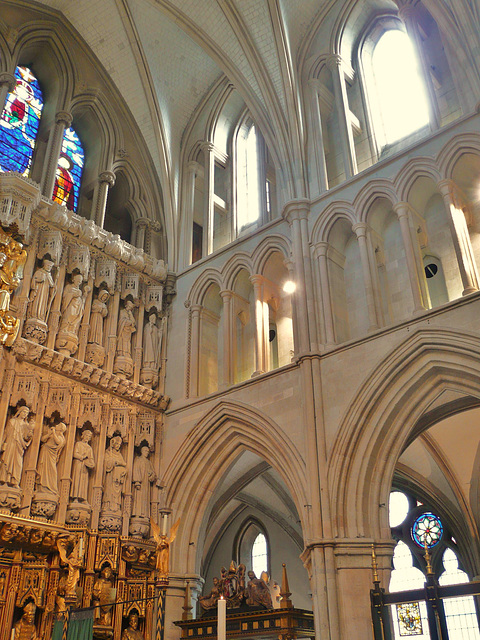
(428, 529)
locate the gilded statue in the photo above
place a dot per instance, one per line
(25, 628)
(12, 261)
(258, 593)
(132, 632)
(104, 597)
(74, 562)
(163, 543)
(17, 438)
(210, 601)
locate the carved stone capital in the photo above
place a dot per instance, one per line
(296, 210)
(108, 177)
(64, 117)
(8, 79)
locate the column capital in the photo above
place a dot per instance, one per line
(402, 209)
(314, 84)
(360, 229)
(226, 294)
(64, 117)
(142, 222)
(296, 210)
(257, 279)
(321, 249)
(207, 146)
(196, 309)
(193, 167)
(448, 188)
(108, 177)
(334, 61)
(8, 79)
(406, 11)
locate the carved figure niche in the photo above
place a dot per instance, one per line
(83, 463)
(127, 326)
(52, 442)
(114, 474)
(152, 350)
(43, 286)
(73, 305)
(142, 478)
(16, 439)
(104, 595)
(95, 353)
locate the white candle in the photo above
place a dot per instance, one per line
(222, 619)
(12, 637)
(164, 524)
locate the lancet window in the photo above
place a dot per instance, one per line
(69, 171)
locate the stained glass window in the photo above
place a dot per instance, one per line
(409, 619)
(19, 123)
(69, 171)
(427, 529)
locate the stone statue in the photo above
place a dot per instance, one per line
(99, 312)
(25, 629)
(210, 601)
(73, 561)
(17, 437)
(83, 462)
(53, 442)
(152, 343)
(132, 632)
(115, 472)
(163, 543)
(258, 593)
(143, 476)
(42, 291)
(126, 327)
(103, 597)
(73, 303)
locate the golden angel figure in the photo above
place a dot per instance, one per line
(163, 546)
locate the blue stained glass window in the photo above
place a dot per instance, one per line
(19, 123)
(69, 171)
(427, 529)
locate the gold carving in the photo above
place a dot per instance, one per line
(12, 261)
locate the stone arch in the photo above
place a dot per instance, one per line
(262, 252)
(378, 188)
(390, 403)
(201, 284)
(456, 147)
(415, 168)
(237, 262)
(212, 445)
(329, 216)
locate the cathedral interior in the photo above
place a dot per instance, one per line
(239, 316)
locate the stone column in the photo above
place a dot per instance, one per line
(335, 64)
(8, 82)
(208, 191)
(262, 179)
(360, 230)
(55, 313)
(407, 13)
(309, 283)
(111, 328)
(321, 249)
(401, 209)
(106, 180)
(317, 135)
(63, 120)
(140, 227)
(227, 338)
(84, 327)
(460, 237)
(66, 478)
(195, 349)
(138, 349)
(257, 282)
(291, 276)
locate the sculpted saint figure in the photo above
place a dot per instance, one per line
(73, 303)
(143, 476)
(258, 593)
(82, 463)
(115, 472)
(103, 596)
(126, 327)
(99, 312)
(53, 442)
(42, 290)
(152, 343)
(132, 633)
(163, 546)
(73, 561)
(17, 437)
(210, 601)
(25, 629)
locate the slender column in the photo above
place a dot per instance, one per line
(106, 180)
(401, 209)
(291, 276)
(309, 283)
(189, 209)
(195, 349)
(208, 189)
(407, 13)
(138, 349)
(321, 251)
(63, 120)
(112, 322)
(8, 82)
(141, 227)
(317, 135)
(334, 63)
(227, 337)
(55, 313)
(66, 477)
(262, 178)
(257, 282)
(460, 237)
(377, 294)
(360, 230)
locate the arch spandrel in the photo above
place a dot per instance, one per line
(211, 447)
(380, 419)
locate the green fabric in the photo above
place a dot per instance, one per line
(57, 630)
(80, 625)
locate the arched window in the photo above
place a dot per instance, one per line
(397, 96)
(19, 123)
(69, 171)
(252, 548)
(260, 555)
(248, 188)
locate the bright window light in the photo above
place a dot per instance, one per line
(289, 286)
(401, 96)
(248, 204)
(259, 555)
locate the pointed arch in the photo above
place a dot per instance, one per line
(272, 244)
(328, 217)
(236, 263)
(201, 284)
(378, 188)
(456, 147)
(207, 452)
(382, 416)
(419, 167)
